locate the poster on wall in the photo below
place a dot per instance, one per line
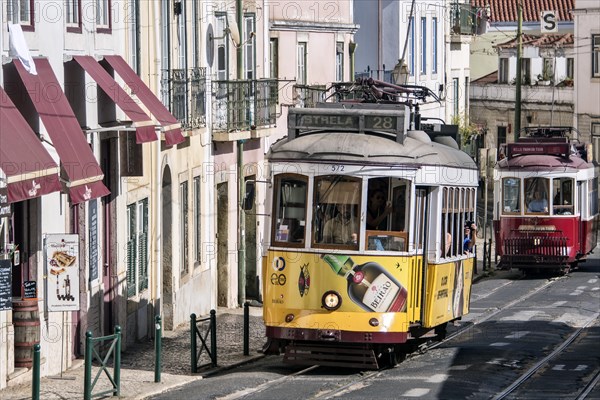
(62, 271)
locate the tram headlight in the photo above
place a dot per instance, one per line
(331, 300)
(289, 318)
(374, 322)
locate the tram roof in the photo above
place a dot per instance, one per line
(543, 162)
(352, 147)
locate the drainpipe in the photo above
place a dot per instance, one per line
(157, 194)
(240, 170)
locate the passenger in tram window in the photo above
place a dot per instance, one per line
(448, 245)
(343, 228)
(378, 208)
(538, 203)
(467, 242)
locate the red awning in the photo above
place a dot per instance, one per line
(30, 171)
(169, 123)
(84, 176)
(144, 127)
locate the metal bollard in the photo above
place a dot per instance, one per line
(35, 385)
(87, 380)
(194, 347)
(484, 255)
(213, 337)
(117, 369)
(490, 254)
(246, 328)
(157, 348)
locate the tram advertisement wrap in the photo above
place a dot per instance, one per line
(448, 291)
(369, 283)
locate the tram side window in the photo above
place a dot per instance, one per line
(336, 211)
(593, 196)
(562, 199)
(458, 213)
(511, 195)
(290, 209)
(536, 195)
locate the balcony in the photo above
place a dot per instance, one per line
(462, 21)
(184, 94)
(242, 109)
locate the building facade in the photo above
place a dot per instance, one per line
(587, 72)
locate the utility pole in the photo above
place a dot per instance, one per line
(519, 72)
(240, 167)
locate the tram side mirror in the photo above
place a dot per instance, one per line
(249, 193)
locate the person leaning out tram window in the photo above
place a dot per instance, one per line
(342, 228)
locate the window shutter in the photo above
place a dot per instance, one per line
(143, 247)
(131, 251)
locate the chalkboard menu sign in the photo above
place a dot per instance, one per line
(30, 290)
(5, 285)
(5, 210)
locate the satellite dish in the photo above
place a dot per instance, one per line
(233, 31)
(210, 45)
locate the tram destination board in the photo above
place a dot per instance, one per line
(342, 120)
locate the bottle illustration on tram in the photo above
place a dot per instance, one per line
(370, 286)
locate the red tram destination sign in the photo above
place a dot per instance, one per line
(538, 149)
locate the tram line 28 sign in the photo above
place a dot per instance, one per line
(548, 22)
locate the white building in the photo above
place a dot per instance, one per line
(587, 71)
(433, 39)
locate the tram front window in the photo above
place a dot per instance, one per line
(536, 195)
(336, 211)
(386, 214)
(511, 195)
(562, 201)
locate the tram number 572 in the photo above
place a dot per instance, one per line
(337, 168)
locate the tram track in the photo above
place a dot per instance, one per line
(356, 381)
(544, 362)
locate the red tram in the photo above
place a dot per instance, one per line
(545, 201)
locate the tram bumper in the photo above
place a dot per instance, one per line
(535, 251)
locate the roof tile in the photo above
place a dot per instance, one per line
(506, 10)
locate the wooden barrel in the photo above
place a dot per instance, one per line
(26, 320)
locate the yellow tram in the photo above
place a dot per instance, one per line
(368, 255)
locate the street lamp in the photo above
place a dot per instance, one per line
(400, 73)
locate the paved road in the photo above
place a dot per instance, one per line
(515, 322)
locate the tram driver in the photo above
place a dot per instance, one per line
(538, 203)
(342, 228)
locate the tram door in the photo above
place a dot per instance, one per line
(421, 220)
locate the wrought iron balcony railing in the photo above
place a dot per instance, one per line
(184, 94)
(243, 105)
(463, 19)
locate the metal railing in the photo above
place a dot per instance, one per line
(244, 104)
(183, 91)
(196, 332)
(91, 353)
(308, 96)
(535, 249)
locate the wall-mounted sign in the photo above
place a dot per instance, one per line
(5, 285)
(62, 272)
(5, 210)
(548, 21)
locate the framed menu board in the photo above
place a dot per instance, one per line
(5, 285)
